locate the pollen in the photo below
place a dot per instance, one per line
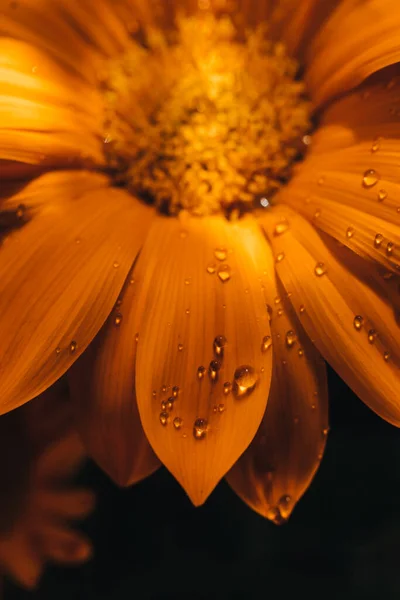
(202, 118)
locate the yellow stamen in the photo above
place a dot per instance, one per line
(199, 120)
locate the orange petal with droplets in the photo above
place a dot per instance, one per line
(202, 380)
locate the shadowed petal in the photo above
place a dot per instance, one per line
(61, 275)
(278, 466)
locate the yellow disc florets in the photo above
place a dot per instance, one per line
(198, 119)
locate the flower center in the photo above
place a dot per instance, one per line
(202, 120)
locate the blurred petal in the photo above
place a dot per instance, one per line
(278, 466)
(66, 504)
(103, 392)
(61, 275)
(201, 319)
(21, 560)
(357, 40)
(352, 327)
(77, 34)
(43, 121)
(62, 545)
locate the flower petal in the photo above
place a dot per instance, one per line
(201, 320)
(280, 463)
(103, 392)
(62, 545)
(357, 40)
(61, 275)
(43, 121)
(350, 324)
(77, 34)
(21, 560)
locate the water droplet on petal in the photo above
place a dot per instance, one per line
(350, 232)
(221, 408)
(58, 350)
(213, 369)
(382, 195)
(302, 309)
(200, 429)
(279, 312)
(116, 265)
(220, 253)
(164, 416)
(187, 281)
(386, 356)
(285, 501)
(358, 322)
(118, 319)
(370, 178)
(281, 227)
(245, 380)
(280, 257)
(227, 387)
(291, 338)
(320, 269)
(180, 347)
(266, 343)
(378, 240)
(300, 352)
(201, 372)
(376, 144)
(389, 248)
(136, 337)
(175, 391)
(219, 344)
(73, 346)
(211, 268)
(177, 422)
(372, 336)
(224, 273)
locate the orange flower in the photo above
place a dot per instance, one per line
(195, 223)
(38, 500)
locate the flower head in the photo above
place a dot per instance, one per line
(200, 199)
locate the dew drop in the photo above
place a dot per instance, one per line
(358, 322)
(378, 240)
(325, 431)
(224, 273)
(220, 253)
(219, 344)
(386, 356)
(370, 178)
(175, 391)
(372, 336)
(58, 350)
(280, 257)
(279, 312)
(73, 346)
(221, 408)
(302, 309)
(317, 213)
(163, 405)
(21, 208)
(154, 393)
(201, 372)
(136, 337)
(177, 422)
(213, 369)
(187, 281)
(245, 380)
(187, 311)
(320, 269)
(116, 265)
(349, 232)
(277, 300)
(291, 338)
(376, 144)
(164, 389)
(200, 429)
(285, 501)
(389, 248)
(118, 319)
(300, 352)
(382, 195)
(180, 347)
(227, 387)
(281, 227)
(266, 343)
(211, 268)
(164, 416)
(170, 403)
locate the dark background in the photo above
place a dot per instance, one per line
(343, 540)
